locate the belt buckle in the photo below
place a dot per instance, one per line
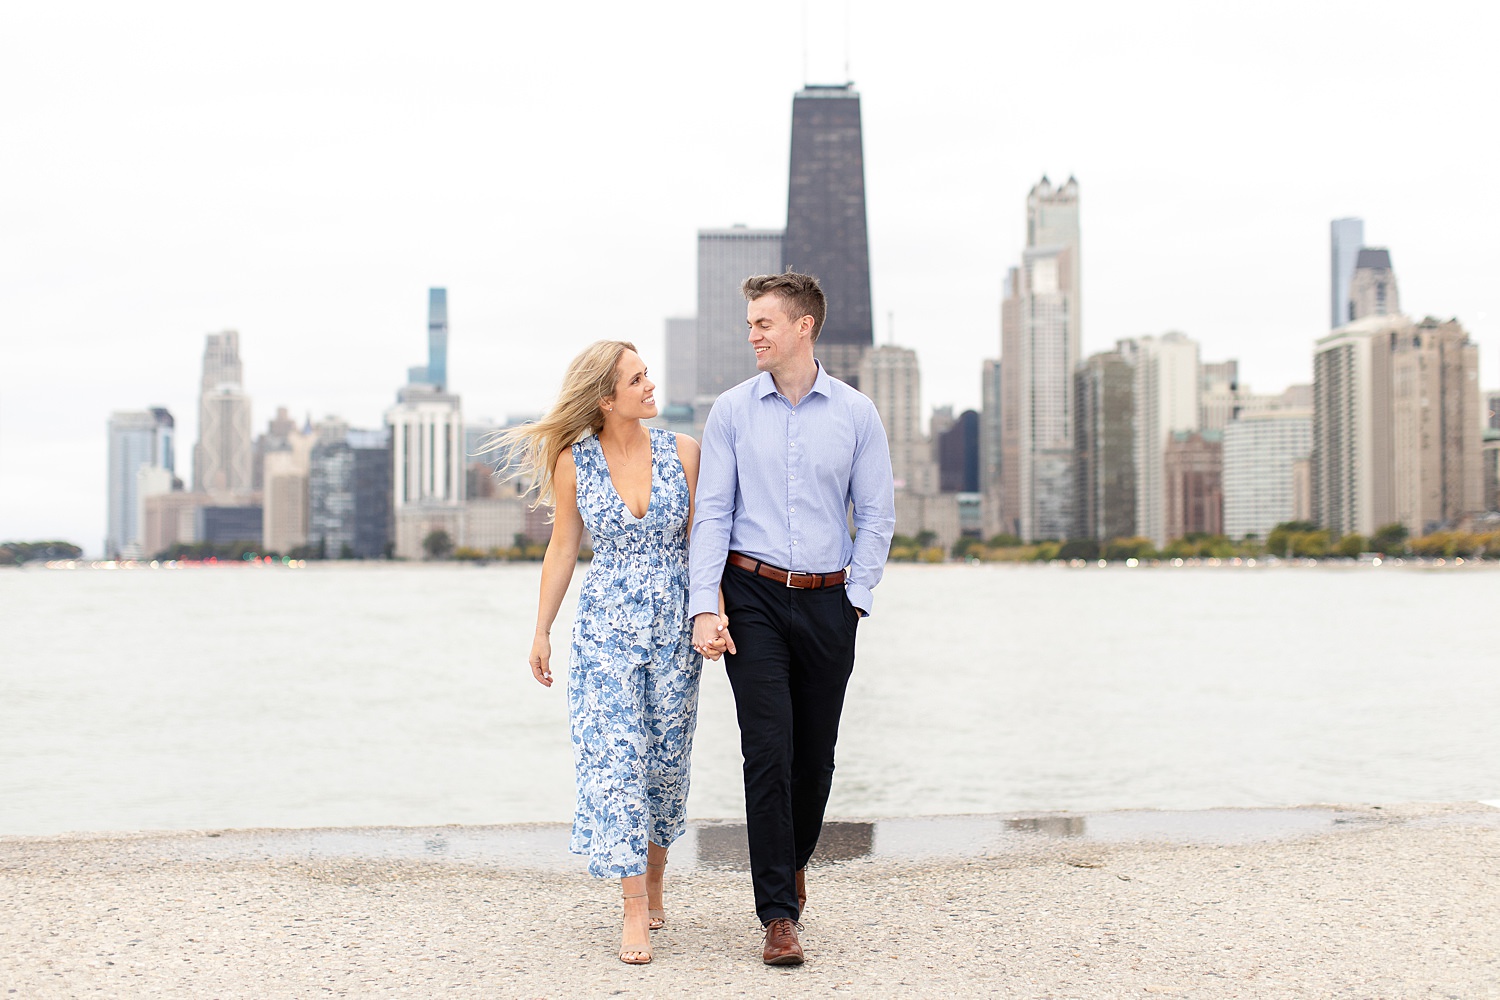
(789, 575)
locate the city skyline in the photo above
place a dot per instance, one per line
(310, 239)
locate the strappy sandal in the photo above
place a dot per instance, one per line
(626, 948)
(656, 916)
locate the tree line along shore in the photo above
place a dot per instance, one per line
(1289, 540)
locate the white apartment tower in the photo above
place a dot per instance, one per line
(1351, 486)
(1040, 337)
(1261, 452)
(1167, 385)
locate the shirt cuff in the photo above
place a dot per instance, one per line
(703, 602)
(859, 596)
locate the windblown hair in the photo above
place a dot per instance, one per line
(800, 294)
(531, 450)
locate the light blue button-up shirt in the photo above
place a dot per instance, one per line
(777, 482)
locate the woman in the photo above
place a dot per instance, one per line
(633, 682)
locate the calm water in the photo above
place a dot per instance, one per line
(368, 695)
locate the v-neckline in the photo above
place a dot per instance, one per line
(609, 474)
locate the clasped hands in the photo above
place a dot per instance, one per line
(711, 635)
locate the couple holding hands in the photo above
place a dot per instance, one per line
(742, 550)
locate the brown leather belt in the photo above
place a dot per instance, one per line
(796, 581)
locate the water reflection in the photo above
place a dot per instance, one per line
(725, 846)
(1049, 826)
(722, 845)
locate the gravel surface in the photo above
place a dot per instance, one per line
(1403, 902)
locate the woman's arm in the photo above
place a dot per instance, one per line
(557, 564)
(688, 453)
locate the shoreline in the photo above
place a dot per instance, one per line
(1389, 901)
(1366, 561)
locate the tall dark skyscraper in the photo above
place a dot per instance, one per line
(826, 234)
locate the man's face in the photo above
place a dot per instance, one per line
(775, 334)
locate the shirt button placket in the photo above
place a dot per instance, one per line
(793, 464)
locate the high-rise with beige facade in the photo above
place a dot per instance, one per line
(1436, 434)
(223, 457)
(1396, 426)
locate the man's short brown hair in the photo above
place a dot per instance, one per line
(800, 294)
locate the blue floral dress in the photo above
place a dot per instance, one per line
(633, 682)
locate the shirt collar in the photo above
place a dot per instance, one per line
(765, 385)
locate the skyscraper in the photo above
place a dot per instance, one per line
(138, 440)
(826, 233)
(991, 472)
(1346, 236)
(1372, 290)
(1261, 451)
(726, 257)
(1193, 477)
(437, 337)
(1351, 453)
(435, 372)
(1436, 433)
(428, 461)
(1052, 221)
(1167, 385)
(1219, 402)
(1104, 447)
(1040, 334)
(284, 492)
(1397, 435)
(956, 449)
(681, 369)
(223, 457)
(893, 381)
(350, 495)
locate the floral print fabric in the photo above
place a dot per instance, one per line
(633, 677)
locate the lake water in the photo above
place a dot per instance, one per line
(344, 695)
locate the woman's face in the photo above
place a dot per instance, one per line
(635, 393)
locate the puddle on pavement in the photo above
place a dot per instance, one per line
(719, 845)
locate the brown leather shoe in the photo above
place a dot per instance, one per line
(782, 946)
(801, 891)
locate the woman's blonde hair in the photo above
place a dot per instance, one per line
(532, 449)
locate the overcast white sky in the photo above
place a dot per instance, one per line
(302, 172)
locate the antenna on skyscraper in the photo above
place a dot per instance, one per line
(804, 42)
(890, 327)
(848, 77)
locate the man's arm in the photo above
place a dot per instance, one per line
(873, 493)
(713, 512)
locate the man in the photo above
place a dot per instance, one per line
(785, 454)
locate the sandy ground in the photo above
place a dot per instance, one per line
(1404, 902)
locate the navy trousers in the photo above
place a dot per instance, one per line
(796, 652)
